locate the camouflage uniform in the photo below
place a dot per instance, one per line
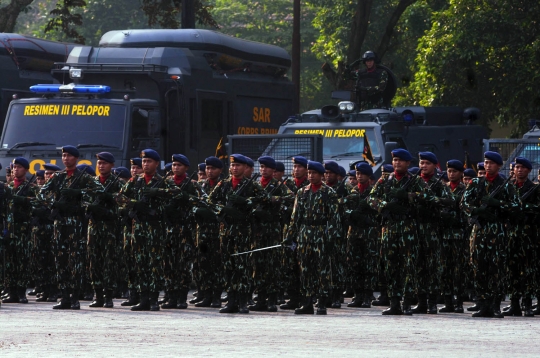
(369, 88)
(43, 251)
(315, 224)
(338, 251)
(488, 238)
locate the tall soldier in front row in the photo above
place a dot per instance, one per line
(395, 197)
(64, 192)
(487, 201)
(315, 223)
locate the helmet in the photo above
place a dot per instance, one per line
(369, 55)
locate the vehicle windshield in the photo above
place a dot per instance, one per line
(61, 124)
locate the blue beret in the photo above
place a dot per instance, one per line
(524, 161)
(318, 167)
(152, 154)
(106, 156)
(250, 162)
(342, 172)
(168, 167)
(300, 160)
(180, 158)
(469, 173)
(494, 156)
(22, 162)
(71, 150)
(280, 167)
(267, 161)
(87, 169)
(331, 166)
(122, 172)
(428, 156)
(387, 168)
(402, 154)
(238, 158)
(201, 167)
(352, 173)
(455, 164)
(214, 162)
(414, 170)
(136, 161)
(480, 165)
(40, 173)
(50, 166)
(364, 168)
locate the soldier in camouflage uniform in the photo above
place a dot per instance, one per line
(179, 238)
(455, 246)
(267, 232)
(102, 233)
(315, 223)
(363, 243)
(370, 83)
(235, 230)
(65, 199)
(144, 195)
(489, 235)
(18, 196)
(523, 245)
(290, 267)
(395, 198)
(210, 278)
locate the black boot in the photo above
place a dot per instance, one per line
(496, 307)
(459, 304)
(260, 306)
(109, 294)
(407, 310)
(307, 307)
(99, 301)
(368, 294)
(165, 297)
(536, 310)
(321, 309)
(395, 308)
(231, 306)
(207, 300)
(224, 298)
(198, 298)
(154, 305)
(53, 293)
(216, 298)
(243, 302)
(382, 300)
(144, 302)
(484, 308)
(172, 303)
(292, 304)
(21, 292)
(336, 299)
(527, 307)
(358, 299)
(12, 296)
(182, 299)
(45, 294)
(475, 307)
(422, 306)
(75, 304)
(448, 304)
(513, 309)
(272, 301)
(65, 302)
(349, 292)
(132, 300)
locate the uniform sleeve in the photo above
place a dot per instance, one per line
(297, 215)
(376, 196)
(469, 200)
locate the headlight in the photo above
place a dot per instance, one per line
(347, 106)
(75, 73)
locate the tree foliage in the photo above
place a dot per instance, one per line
(10, 13)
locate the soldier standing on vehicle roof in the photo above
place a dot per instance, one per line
(370, 83)
(210, 278)
(267, 232)
(65, 198)
(18, 196)
(179, 238)
(399, 242)
(315, 224)
(102, 234)
(145, 195)
(489, 236)
(291, 268)
(523, 246)
(362, 240)
(235, 230)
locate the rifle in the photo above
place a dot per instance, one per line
(181, 189)
(238, 192)
(340, 186)
(405, 186)
(98, 199)
(433, 185)
(529, 192)
(24, 189)
(132, 212)
(55, 212)
(274, 189)
(474, 220)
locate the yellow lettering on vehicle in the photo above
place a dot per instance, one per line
(37, 164)
(66, 109)
(253, 130)
(261, 114)
(334, 133)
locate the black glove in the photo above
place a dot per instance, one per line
(98, 210)
(20, 200)
(489, 201)
(237, 200)
(141, 207)
(356, 216)
(287, 242)
(363, 205)
(151, 192)
(396, 208)
(71, 193)
(484, 213)
(62, 206)
(40, 213)
(398, 193)
(108, 197)
(447, 202)
(182, 197)
(205, 214)
(233, 213)
(263, 215)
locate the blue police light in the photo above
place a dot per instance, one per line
(91, 89)
(72, 88)
(408, 117)
(45, 88)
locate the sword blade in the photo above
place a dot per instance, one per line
(261, 249)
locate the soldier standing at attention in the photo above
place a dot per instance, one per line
(395, 198)
(468, 175)
(481, 169)
(280, 171)
(291, 268)
(201, 173)
(65, 191)
(488, 235)
(102, 234)
(315, 223)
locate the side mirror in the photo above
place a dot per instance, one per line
(388, 148)
(154, 124)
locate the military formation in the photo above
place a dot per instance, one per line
(268, 241)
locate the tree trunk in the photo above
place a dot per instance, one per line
(392, 22)
(10, 13)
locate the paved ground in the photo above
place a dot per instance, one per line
(35, 330)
